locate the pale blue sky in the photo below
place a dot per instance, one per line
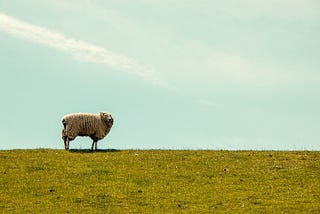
(202, 74)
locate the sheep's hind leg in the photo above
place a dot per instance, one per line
(66, 143)
(64, 138)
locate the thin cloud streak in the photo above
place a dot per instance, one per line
(80, 50)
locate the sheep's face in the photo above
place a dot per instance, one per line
(107, 117)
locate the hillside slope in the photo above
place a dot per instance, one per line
(159, 181)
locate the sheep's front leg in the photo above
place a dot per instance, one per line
(94, 143)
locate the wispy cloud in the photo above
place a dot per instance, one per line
(80, 50)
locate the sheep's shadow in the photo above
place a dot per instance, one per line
(94, 151)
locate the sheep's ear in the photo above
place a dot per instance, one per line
(101, 114)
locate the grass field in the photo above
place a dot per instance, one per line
(159, 181)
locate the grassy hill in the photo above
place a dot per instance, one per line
(159, 181)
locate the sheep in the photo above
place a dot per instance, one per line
(95, 126)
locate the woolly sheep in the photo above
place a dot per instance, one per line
(95, 126)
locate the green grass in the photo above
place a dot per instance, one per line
(159, 181)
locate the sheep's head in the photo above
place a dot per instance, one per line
(107, 117)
